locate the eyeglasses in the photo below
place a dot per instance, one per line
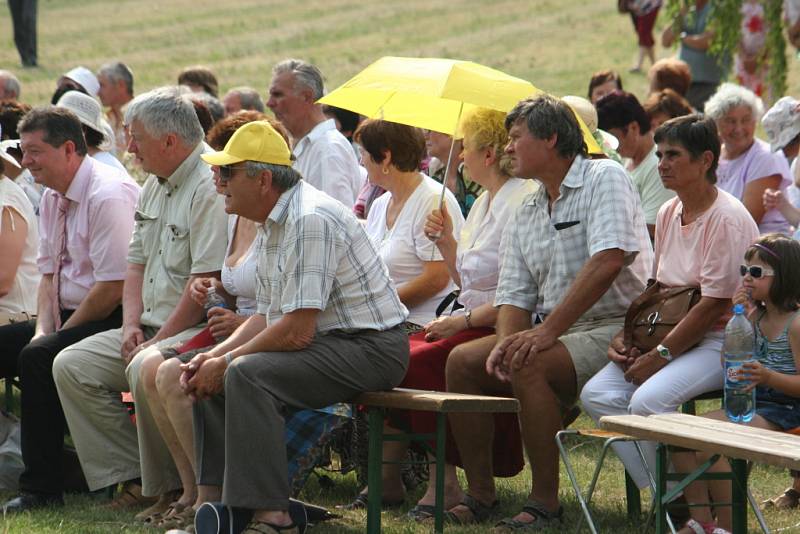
(756, 271)
(226, 172)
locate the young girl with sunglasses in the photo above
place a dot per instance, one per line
(771, 290)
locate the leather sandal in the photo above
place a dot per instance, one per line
(787, 500)
(478, 511)
(178, 516)
(130, 496)
(154, 513)
(542, 519)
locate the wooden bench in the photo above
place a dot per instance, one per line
(441, 403)
(739, 443)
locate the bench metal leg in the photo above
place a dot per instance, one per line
(661, 488)
(374, 468)
(757, 511)
(739, 496)
(438, 514)
(632, 492)
(574, 480)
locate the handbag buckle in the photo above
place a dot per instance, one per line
(652, 320)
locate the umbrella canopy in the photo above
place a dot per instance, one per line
(432, 93)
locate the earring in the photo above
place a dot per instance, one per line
(385, 170)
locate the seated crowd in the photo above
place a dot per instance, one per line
(232, 271)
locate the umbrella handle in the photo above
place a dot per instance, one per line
(437, 237)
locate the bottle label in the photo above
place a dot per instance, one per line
(732, 374)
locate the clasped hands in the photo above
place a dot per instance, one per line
(203, 376)
(638, 367)
(517, 350)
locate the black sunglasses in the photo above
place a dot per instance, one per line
(226, 172)
(756, 271)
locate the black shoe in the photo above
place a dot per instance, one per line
(31, 501)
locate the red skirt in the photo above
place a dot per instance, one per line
(426, 370)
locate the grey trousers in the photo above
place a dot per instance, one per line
(239, 435)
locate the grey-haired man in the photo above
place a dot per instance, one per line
(180, 234)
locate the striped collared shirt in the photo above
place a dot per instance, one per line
(313, 253)
(597, 209)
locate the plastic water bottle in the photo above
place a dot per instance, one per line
(213, 300)
(738, 348)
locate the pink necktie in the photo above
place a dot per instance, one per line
(61, 247)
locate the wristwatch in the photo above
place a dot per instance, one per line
(468, 318)
(664, 352)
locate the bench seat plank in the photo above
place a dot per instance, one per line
(437, 401)
(708, 435)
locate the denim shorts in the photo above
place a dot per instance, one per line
(778, 408)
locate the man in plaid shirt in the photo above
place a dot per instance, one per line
(574, 255)
(328, 326)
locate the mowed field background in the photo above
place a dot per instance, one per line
(556, 44)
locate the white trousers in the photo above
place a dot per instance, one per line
(693, 373)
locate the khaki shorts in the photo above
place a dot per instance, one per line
(587, 343)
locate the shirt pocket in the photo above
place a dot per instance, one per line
(569, 252)
(177, 251)
(146, 227)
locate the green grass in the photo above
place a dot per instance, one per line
(556, 44)
(87, 515)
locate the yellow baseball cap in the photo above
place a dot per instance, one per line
(255, 141)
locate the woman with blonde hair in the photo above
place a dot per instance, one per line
(472, 259)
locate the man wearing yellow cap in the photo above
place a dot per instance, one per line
(328, 326)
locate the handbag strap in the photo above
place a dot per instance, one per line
(450, 298)
(627, 332)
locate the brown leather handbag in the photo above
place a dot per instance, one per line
(653, 314)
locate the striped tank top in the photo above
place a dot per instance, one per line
(776, 355)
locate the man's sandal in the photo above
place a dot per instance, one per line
(262, 527)
(155, 512)
(542, 519)
(130, 496)
(785, 501)
(478, 512)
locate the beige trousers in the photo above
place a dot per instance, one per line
(89, 376)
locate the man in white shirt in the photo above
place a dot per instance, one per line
(325, 158)
(621, 114)
(116, 90)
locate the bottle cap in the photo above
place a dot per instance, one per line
(738, 309)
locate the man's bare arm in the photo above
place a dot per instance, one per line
(103, 298)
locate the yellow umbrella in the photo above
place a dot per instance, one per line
(432, 93)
